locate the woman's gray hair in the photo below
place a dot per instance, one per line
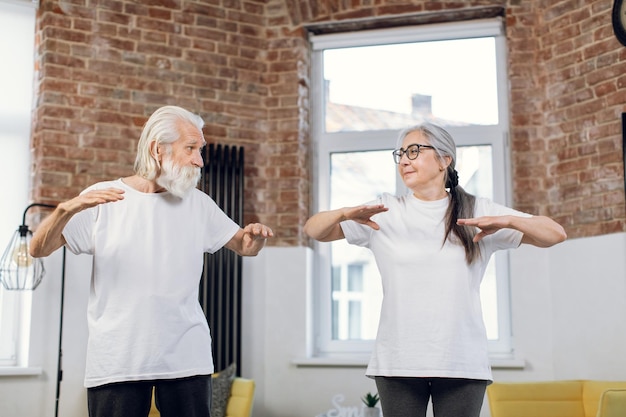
(437, 136)
(163, 127)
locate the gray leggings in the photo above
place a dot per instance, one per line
(184, 397)
(451, 397)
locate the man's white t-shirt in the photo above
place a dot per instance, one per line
(144, 318)
(431, 321)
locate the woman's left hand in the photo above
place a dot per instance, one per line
(487, 224)
(540, 231)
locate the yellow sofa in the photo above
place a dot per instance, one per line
(575, 398)
(613, 403)
(239, 402)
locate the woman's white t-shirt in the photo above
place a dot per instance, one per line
(144, 318)
(431, 321)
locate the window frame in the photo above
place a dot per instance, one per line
(324, 144)
(15, 306)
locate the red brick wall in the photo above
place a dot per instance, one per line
(103, 67)
(568, 90)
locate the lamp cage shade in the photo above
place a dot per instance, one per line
(19, 270)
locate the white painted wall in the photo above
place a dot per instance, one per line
(35, 396)
(569, 322)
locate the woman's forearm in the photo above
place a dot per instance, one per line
(324, 226)
(540, 231)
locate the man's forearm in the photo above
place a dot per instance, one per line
(49, 235)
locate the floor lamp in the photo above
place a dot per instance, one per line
(21, 272)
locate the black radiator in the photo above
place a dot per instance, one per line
(220, 287)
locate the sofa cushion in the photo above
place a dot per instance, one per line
(612, 403)
(222, 382)
(537, 399)
(592, 391)
(241, 398)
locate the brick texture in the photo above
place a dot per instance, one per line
(103, 66)
(565, 69)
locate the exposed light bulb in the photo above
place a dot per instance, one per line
(21, 256)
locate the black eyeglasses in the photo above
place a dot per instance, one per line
(411, 152)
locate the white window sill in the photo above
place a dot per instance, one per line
(20, 371)
(500, 362)
(507, 362)
(331, 362)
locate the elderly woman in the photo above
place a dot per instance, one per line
(432, 247)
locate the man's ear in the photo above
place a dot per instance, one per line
(156, 151)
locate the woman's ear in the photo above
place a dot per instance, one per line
(445, 162)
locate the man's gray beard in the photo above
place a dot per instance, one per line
(176, 179)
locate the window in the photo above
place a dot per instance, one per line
(369, 85)
(17, 30)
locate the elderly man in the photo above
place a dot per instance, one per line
(147, 234)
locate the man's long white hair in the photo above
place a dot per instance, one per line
(163, 127)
